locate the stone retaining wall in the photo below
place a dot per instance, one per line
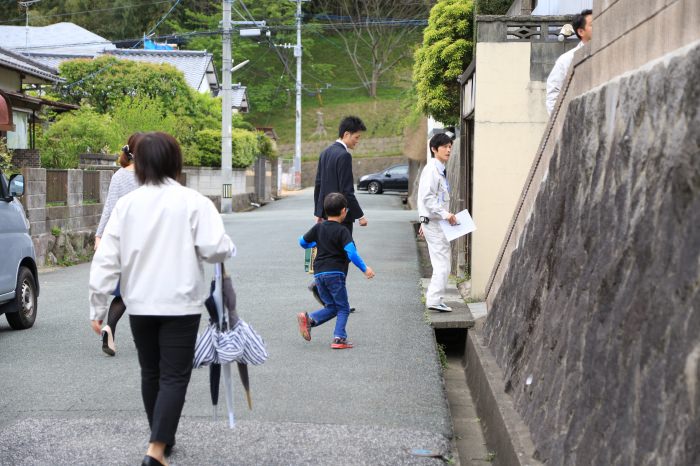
(360, 166)
(366, 147)
(596, 324)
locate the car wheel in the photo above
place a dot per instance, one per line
(374, 187)
(25, 302)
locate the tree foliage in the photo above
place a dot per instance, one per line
(74, 133)
(445, 53)
(492, 7)
(374, 33)
(120, 97)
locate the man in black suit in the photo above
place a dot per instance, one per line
(334, 175)
(334, 172)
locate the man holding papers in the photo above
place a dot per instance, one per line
(433, 205)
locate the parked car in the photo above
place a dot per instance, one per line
(19, 280)
(392, 179)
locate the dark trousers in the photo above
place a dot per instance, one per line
(165, 346)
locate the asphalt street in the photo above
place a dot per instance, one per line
(62, 401)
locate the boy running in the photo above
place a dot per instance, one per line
(335, 250)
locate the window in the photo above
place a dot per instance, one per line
(17, 139)
(401, 170)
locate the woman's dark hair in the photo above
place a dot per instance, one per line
(333, 204)
(126, 156)
(352, 124)
(157, 158)
(440, 139)
(579, 21)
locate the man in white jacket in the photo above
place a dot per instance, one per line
(582, 25)
(154, 245)
(433, 206)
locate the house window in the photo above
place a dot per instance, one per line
(17, 139)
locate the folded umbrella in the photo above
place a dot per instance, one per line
(226, 339)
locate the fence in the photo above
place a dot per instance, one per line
(91, 186)
(56, 186)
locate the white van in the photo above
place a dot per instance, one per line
(19, 280)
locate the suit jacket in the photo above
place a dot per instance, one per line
(334, 175)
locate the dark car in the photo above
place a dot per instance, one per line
(392, 179)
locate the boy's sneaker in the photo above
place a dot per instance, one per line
(341, 343)
(304, 325)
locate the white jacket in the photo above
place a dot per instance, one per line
(153, 246)
(433, 192)
(556, 77)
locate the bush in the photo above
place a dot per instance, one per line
(245, 147)
(74, 133)
(266, 147)
(5, 157)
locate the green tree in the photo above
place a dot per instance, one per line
(492, 7)
(74, 133)
(445, 53)
(104, 81)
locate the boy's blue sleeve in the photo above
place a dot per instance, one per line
(354, 256)
(305, 244)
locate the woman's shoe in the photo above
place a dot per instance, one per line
(151, 461)
(108, 341)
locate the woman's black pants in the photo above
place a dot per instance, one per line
(165, 346)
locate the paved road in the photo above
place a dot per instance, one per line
(62, 401)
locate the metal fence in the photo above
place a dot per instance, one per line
(57, 186)
(91, 186)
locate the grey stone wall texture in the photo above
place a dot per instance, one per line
(597, 323)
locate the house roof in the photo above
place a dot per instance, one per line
(40, 72)
(56, 38)
(239, 97)
(195, 65)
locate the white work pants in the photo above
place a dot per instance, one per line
(439, 249)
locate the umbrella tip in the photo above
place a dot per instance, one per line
(250, 400)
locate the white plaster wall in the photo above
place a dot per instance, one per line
(509, 119)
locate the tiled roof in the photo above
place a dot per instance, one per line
(14, 61)
(65, 38)
(239, 97)
(195, 65)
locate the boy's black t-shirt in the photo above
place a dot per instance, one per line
(330, 238)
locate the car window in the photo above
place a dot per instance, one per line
(401, 170)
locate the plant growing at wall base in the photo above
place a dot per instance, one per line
(5, 157)
(445, 53)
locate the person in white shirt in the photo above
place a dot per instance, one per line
(583, 27)
(154, 245)
(433, 206)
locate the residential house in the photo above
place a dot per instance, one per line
(503, 117)
(19, 110)
(54, 44)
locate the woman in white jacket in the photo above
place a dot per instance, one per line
(155, 243)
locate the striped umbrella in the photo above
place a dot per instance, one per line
(226, 339)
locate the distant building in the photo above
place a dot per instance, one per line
(503, 117)
(54, 44)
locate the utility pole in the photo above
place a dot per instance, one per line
(296, 167)
(226, 96)
(26, 6)
(226, 148)
(297, 139)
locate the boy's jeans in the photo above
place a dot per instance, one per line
(331, 288)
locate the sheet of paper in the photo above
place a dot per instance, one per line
(465, 224)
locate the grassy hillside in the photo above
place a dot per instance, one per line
(326, 64)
